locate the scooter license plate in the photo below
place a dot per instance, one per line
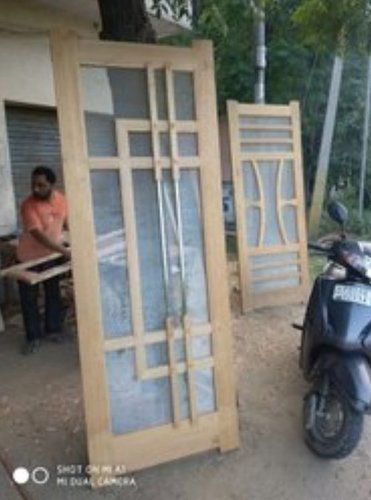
(355, 294)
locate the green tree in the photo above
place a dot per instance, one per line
(301, 48)
(329, 25)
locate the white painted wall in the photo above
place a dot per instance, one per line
(26, 75)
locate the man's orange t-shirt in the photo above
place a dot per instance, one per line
(47, 215)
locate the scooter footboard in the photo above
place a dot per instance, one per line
(351, 374)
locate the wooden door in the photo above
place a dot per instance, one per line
(269, 199)
(141, 164)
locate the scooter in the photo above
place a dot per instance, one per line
(335, 352)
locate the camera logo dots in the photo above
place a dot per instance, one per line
(39, 475)
(21, 475)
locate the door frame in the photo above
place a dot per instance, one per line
(219, 429)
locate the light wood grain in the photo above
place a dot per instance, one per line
(199, 432)
(236, 112)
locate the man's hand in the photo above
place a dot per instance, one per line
(50, 244)
(66, 252)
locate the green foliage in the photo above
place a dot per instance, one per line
(330, 24)
(347, 146)
(229, 23)
(316, 265)
(302, 36)
(354, 226)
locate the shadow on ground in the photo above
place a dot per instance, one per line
(41, 423)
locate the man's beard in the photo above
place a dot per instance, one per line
(42, 197)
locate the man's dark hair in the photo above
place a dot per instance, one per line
(48, 172)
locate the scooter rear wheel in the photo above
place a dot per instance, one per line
(332, 429)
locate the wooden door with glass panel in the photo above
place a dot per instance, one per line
(139, 137)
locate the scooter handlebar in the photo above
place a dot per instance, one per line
(319, 248)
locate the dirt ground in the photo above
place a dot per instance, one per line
(41, 424)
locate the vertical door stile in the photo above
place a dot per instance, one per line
(239, 200)
(299, 194)
(126, 186)
(170, 334)
(174, 162)
(83, 243)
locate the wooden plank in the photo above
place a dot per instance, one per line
(51, 273)
(274, 277)
(190, 438)
(134, 55)
(135, 125)
(253, 204)
(275, 264)
(29, 264)
(147, 163)
(155, 337)
(239, 199)
(274, 156)
(22, 275)
(171, 371)
(83, 244)
(254, 127)
(127, 197)
(281, 224)
(299, 189)
(289, 203)
(292, 295)
(172, 123)
(154, 123)
(274, 249)
(261, 197)
(101, 163)
(273, 110)
(32, 277)
(190, 365)
(216, 262)
(270, 141)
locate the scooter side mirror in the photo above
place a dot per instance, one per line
(338, 212)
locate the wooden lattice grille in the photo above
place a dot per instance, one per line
(141, 168)
(267, 174)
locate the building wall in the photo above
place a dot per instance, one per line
(26, 75)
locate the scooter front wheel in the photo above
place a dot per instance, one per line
(332, 428)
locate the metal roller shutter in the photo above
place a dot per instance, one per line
(33, 137)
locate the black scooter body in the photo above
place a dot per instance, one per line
(336, 341)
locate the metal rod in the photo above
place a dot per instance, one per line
(163, 238)
(261, 51)
(180, 244)
(179, 232)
